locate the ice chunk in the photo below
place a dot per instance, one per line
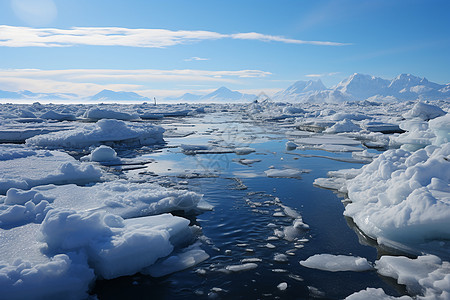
(96, 114)
(291, 145)
(52, 115)
(241, 267)
(403, 196)
(441, 129)
(189, 257)
(104, 131)
(64, 276)
(115, 247)
(335, 263)
(122, 198)
(243, 150)
(343, 126)
(374, 294)
(424, 111)
(282, 286)
(102, 153)
(426, 276)
(284, 173)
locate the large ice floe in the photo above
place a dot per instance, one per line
(24, 168)
(104, 131)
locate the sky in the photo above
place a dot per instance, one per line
(167, 48)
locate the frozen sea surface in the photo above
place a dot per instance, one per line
(217, 201)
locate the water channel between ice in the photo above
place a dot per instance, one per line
(252, 216)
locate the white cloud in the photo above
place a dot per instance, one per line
(196, 58)
(321, 75)
(14, 36)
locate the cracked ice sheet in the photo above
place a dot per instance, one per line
(24, 169)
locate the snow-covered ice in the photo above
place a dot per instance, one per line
(108, 131)
(24, 168)
(403, 196)
(336, 263)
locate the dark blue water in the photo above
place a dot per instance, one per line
(238, 228)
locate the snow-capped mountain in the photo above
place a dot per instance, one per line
(225, 94)
(360, 87)
(222, 94)
(108, 95)
(299, 90)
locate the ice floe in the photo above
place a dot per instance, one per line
(104, 131)
(403, 196)
(336, 263)
(24, 169)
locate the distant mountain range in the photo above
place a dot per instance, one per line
(30, 95)
(108, 95)
(355, 87)
(362, 87)
(222, 94)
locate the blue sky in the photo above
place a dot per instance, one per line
(165, 48)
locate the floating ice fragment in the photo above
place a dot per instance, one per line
(189, 257)
(284, 173)
(104, 131)
(426, 276)
(335, 263)
(374, 294)
(291, 146)
(241, 267)
(282, 286)
(44, 167)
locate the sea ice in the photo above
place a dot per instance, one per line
(25, 169)
(104, 131)
(374, 294)
(96, 113)
(336, 263)
(284, 173)
(427, 276)
(241, 267)
(403, 196)
(102, 153)
(115, 247)
(122, 198)
(189, 257)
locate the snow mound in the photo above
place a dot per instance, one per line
(102, 153)
(104, 131)
(336, 263)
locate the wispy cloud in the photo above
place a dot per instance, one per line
(86, 81)
(14, 36)
(321, 75)
(195, 58)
